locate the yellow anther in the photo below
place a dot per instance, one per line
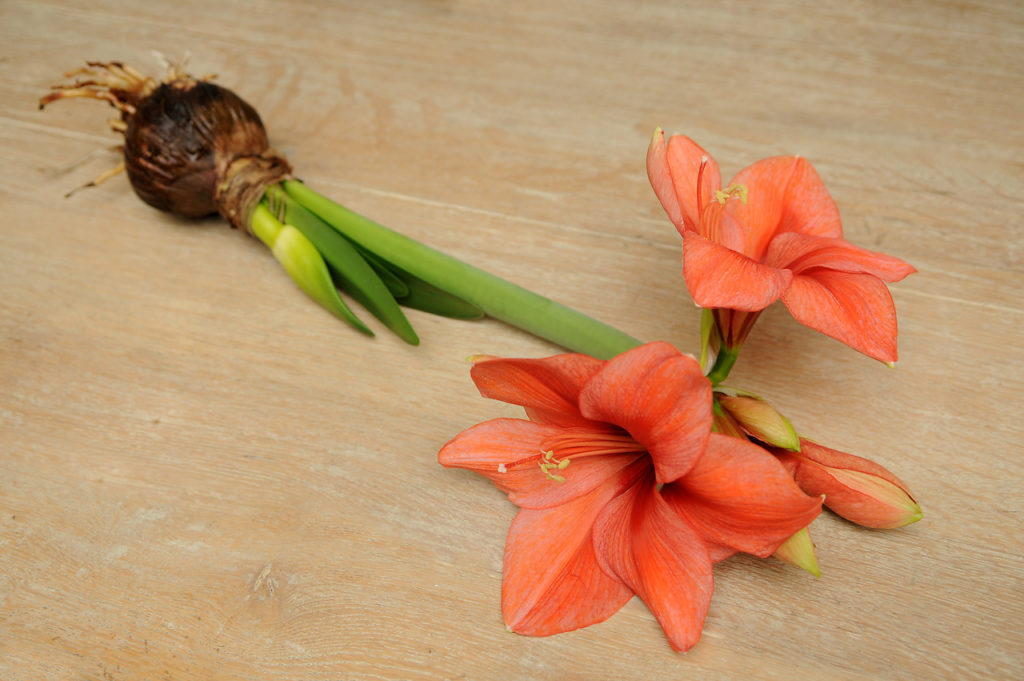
(733, 191)
(552, 476)
(550, 462)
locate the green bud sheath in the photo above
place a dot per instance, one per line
(303, 264)
(348, 267)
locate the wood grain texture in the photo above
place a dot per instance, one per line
(205, 476)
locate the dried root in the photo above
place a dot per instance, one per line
(119, 85)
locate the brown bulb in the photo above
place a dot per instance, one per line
(191, 147)
(181, 140)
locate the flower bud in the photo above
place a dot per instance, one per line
(798, 550)
(725, 424)
(759, 419)
(855, 488)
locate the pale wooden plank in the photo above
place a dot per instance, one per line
(187, 495)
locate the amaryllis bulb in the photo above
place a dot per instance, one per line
(191, 147)
(181, 141)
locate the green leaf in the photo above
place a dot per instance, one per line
(408, 290)
(429, 298)
(420, 295)
(303, 263)
(351, 271)
(384, 270)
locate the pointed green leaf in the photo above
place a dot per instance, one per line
(497, 297)
(408, 290)
(418, 294)
(303, 264)
(429, 298)
(384, 270)
(353, 274)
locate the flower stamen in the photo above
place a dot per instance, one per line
(577, 444)
(573, 444)
(551, 462)
(733, 191)
(700, 179)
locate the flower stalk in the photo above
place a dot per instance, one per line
(497, 297)
(724, 362)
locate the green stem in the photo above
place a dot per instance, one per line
(498, 298)
(723, 364)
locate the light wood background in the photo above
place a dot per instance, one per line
(205, 476)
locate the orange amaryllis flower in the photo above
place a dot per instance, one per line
(773, 232)
(622, 488)
(855, 488)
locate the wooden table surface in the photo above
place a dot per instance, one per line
(206, 476)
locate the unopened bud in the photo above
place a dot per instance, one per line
(798, 550)
(855, 488)
(760, 420)
(722, 422)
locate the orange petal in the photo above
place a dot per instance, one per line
(487, 445)
(717, 225)
(660, 557)
(855, 309)
(661, 398)
(718, 552)
(508, 452)
(552, 580)
(857, 489)
(719, 277)
(548, 388)
(784, 194)
(799, 252)
(685, 158)
(660, 176)
(739, 495)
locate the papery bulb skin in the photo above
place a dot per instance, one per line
(194, 148)
(181, 140)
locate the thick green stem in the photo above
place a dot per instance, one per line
(498, 298)
(723, 365)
